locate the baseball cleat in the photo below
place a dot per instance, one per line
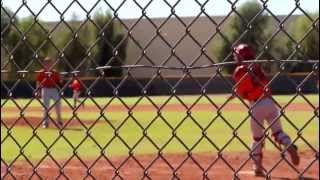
(257, 166)
(293, 152)
(44, 125)
(258, 170)
(60, 124)
(259, 173)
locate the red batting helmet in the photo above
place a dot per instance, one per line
(243, 52)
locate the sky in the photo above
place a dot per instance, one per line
(129, 10)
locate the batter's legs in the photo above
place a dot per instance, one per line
(257, 130)
(279, 135)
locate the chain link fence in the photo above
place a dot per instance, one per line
(103, 47)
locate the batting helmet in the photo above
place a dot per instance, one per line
(243, 52)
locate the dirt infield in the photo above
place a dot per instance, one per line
(168, 107)
(159, 169)
(37, 121)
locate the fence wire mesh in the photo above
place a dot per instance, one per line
(25, 146)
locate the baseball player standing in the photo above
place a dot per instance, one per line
(76, 89)
(48, 81)
(251, 85)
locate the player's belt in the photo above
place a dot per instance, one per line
(255, 100)
(50, 87)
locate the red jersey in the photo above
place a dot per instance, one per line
(48, 79)
(251, 86)
(75, 85)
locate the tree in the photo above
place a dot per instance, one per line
(111, 45)
(249, 27)
(5, 30)
(30, 43)
(27, 44)
(75, 44)
(6, 16)
(299, 28)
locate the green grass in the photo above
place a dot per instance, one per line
(158, 100)
(158, 131)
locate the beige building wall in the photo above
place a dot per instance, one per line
(159, 51)
(187, 49)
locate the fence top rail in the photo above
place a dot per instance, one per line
(135, 66)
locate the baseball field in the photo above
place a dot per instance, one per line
(125, 136)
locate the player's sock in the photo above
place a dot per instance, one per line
(283, 139)
(257, 156)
